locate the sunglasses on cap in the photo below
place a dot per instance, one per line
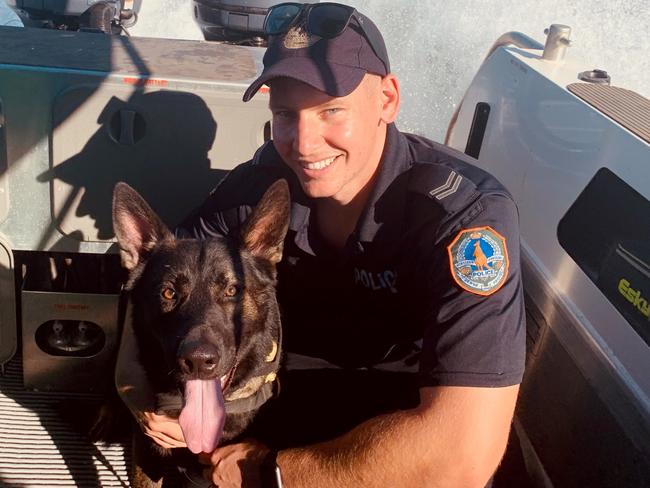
(326, 20)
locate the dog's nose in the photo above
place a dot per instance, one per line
(199, 361)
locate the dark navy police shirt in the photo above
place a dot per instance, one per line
(427, 291)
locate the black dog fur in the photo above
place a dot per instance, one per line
(201, 309)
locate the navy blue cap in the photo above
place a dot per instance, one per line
(335, 66)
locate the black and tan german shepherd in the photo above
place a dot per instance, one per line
(205, 317)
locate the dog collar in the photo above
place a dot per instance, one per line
(254, 400)
(258, 389)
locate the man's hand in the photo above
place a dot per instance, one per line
(165, 431)
(136, 393)
(235, 465)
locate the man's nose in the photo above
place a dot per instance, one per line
(307, 137)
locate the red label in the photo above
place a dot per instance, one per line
(144, 81)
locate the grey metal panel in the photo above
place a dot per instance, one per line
(164, 58)
(8, 329)
(166, 144)
(50, 181)
(27, 96)
(46, 372)
(575, 410)
(4, 203)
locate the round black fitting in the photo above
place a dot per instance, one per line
(595, 76)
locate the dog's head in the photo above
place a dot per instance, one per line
(205, 314)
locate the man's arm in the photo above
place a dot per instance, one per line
(456, 437)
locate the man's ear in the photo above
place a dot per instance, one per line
(137, 227)
(264, 231)
(390, 98)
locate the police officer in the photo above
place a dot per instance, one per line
(400, 283)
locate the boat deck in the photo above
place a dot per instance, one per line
(39, 448)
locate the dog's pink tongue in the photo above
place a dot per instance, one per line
(203, 415)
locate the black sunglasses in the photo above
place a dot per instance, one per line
(327, 20)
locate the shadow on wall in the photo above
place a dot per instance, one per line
(147, 142)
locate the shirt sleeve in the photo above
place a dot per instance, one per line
(474, 331)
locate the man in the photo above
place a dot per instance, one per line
(400, 285)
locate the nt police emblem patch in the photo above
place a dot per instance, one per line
(478, 260)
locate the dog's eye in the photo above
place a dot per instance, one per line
(168, 294)
(231, 291)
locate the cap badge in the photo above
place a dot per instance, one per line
(478, 260)
(298, 38)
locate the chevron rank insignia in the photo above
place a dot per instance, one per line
(449, 187)
(478, 260)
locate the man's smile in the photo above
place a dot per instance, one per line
(317, 165)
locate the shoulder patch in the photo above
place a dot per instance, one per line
(478, 260)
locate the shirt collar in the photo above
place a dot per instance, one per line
(300, 203)
(387, 201)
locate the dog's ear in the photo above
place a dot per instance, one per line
(136, 225)
(264, 231)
